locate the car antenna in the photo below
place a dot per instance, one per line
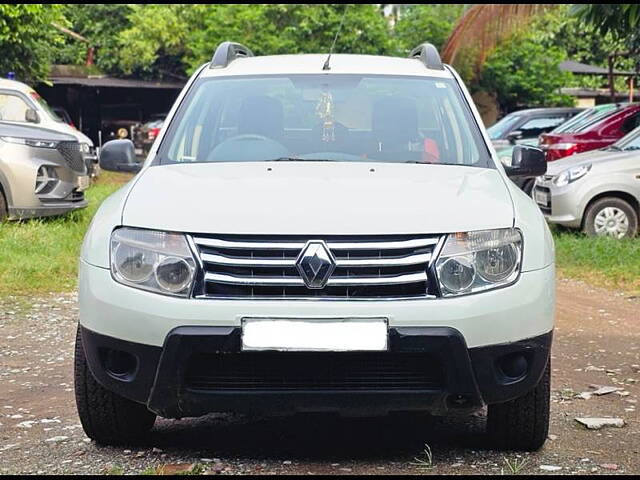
(326, 63)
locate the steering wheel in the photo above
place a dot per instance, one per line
(263, 148)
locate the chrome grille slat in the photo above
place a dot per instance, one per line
(366, 266)
(297, 281)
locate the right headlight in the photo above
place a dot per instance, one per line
(151, 260)
(31, 142)
(476, 261)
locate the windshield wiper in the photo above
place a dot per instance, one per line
(299, 159)
(612, 148)
(632, 147)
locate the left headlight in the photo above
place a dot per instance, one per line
(31, 142)
(571, 175)
(477, 261)
(150, 260)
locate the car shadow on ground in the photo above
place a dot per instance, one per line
(319, 437)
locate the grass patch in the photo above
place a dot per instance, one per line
(41, 255)
(602, 261)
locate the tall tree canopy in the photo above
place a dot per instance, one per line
(27, 40)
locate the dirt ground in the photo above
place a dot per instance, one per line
(597, 343)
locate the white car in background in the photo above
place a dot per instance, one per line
(318, 234)
(596, 191)
(22, 105)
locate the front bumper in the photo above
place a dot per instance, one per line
(48, 210)
(522, 310)
(185, 376)
(564, 206)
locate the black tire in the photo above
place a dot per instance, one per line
(107, 418)
(4, 213)
(610, 202)
(522, 423)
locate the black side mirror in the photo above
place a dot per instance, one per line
(119, 156)
(513, 136)
(31, 116)
(526, 162)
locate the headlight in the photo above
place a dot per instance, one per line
(85, 148)
(150, 260)
(571, 175)
(31, 142)
(476, 261)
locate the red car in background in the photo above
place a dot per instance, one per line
(601, 131)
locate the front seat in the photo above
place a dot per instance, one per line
(394, 124)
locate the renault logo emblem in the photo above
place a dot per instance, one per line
(315, 264)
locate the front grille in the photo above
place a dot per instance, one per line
(71, 153)
(366, 267)
(305, 371)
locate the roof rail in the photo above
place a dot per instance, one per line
(227, 52)
(429, 55)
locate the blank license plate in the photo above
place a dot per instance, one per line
(343, 335)
(542, 198)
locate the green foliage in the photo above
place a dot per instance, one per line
(621, 20)
(426, 23)
(523, 72)
(291, 28)
(27, 38)
(101, 24)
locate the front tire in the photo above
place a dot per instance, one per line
(3, 207)
(611, 216)
(522, 423)
(107, 418)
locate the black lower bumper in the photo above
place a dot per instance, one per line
(202, 369)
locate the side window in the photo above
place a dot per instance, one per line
(12, 108)
(536, 126)
(631, 123)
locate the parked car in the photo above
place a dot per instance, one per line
(120, 121)
(42, 172)
(588, 115)
(601, 131)
(523, 127)
(22, 105)
(147, 133)
(596, 191)
(318, 234)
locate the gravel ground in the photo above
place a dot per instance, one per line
(596, 344)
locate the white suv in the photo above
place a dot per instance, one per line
(314, 234)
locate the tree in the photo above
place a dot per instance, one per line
(622, 20)
(523, 72)
(425, 23)
(292, 28)
(101, 24)
(27, 39)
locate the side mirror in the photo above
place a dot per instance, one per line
(513, 136)
(31, 116)
(119, 156)
(526, 162)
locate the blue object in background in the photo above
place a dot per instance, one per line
(11, 75)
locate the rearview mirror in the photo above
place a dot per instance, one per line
(513, 136)
(119, 156)
(31, 116)
(526, 162)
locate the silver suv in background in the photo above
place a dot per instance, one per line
(42, 172)
(597, 191)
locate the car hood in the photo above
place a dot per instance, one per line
(558, 166)
(318, 198)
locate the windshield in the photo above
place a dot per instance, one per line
(586, 118)
(45, 106)
(502, 126)
(631, 141)
(346, 118)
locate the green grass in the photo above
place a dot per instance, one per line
(606, 262)
(41, 255)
